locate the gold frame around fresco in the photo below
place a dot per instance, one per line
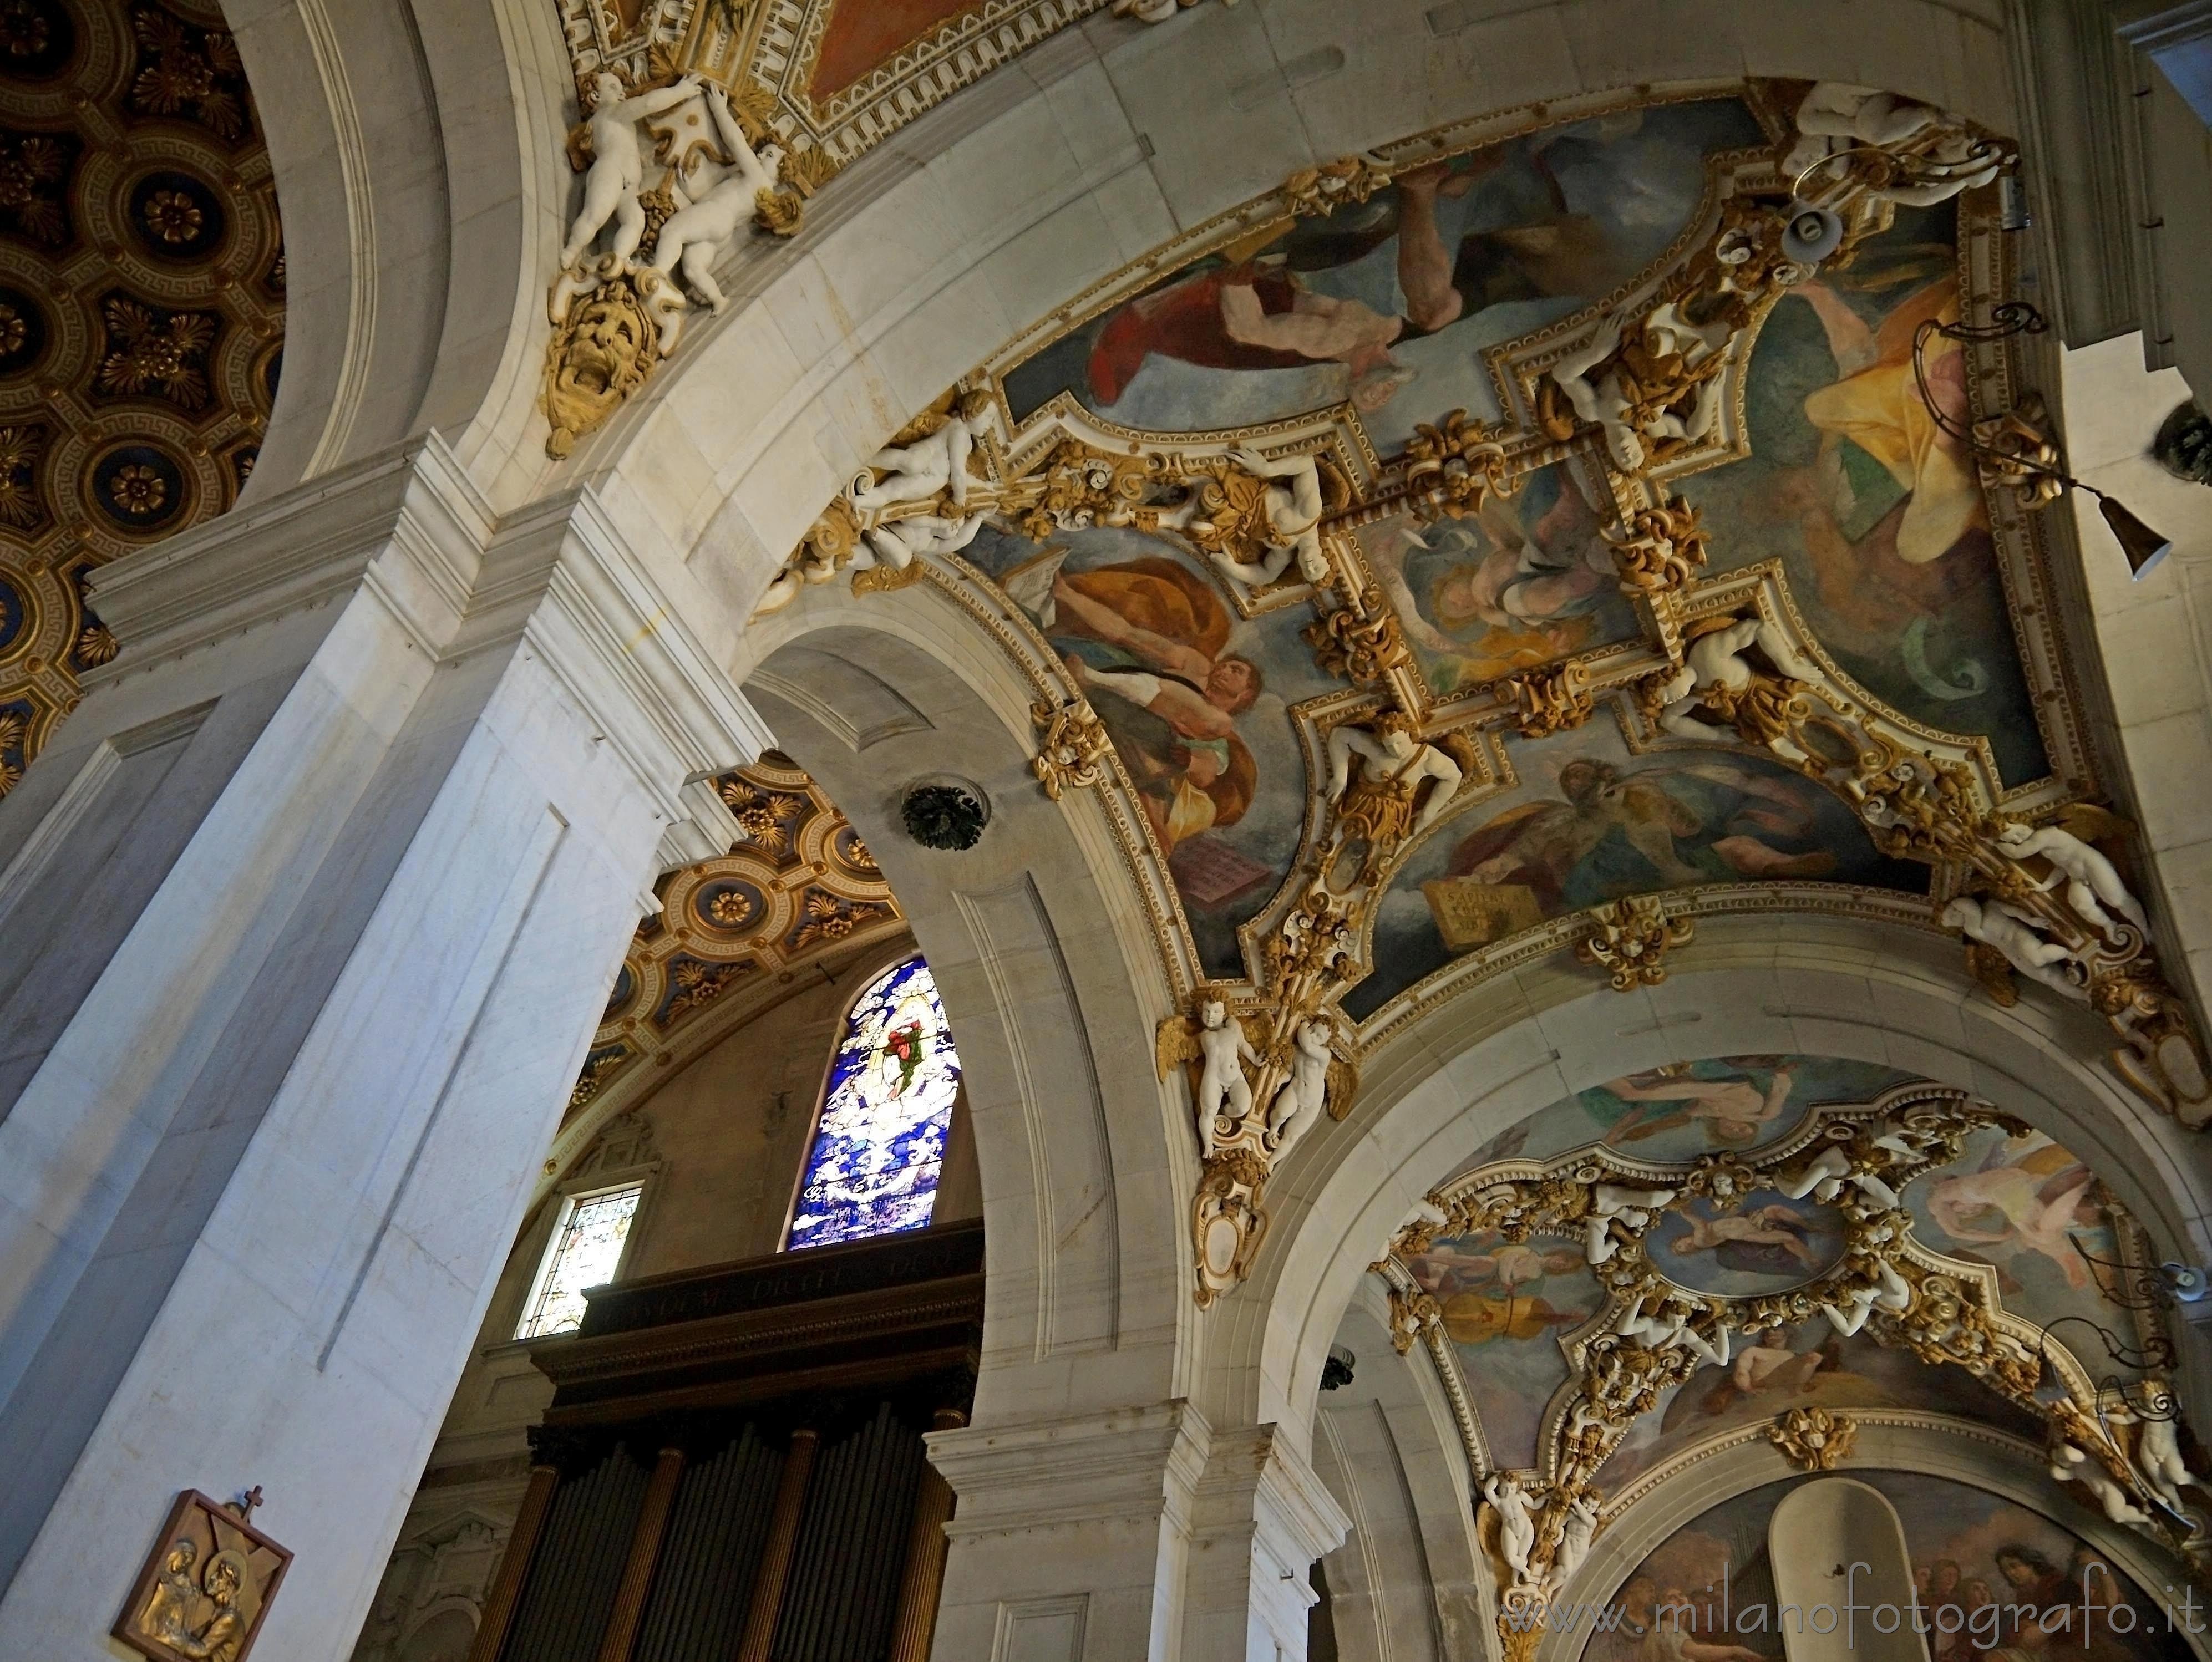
(1985, 273)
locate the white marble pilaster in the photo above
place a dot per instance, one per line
(1139, 1533)
(318, 899)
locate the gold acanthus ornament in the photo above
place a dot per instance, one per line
(1072, 747)
(1360, 640)
(1630, 939)
(1334, 184)
(1548, 700)
(1813, 1439)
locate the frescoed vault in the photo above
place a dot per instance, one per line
(1534, 537)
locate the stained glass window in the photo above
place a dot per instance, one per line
(880, 1142)
(587, 1247)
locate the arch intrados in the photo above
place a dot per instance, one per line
(1045, 972)
(420, 177)
(1499, 1052)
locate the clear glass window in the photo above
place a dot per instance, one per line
(587, 1247)
(879, 1143)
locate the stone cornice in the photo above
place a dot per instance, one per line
(408, 528)
(1140, 1465)
(407, 524)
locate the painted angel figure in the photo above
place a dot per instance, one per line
(1220, 1046)
(618, 170)
(936, 462)
(2093, 883)
(696, 235)
(1315, 1076)
(2012, 931)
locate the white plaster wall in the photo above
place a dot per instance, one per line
(2154, 635)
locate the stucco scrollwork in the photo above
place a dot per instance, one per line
(1630, 939)
(2117, 1445)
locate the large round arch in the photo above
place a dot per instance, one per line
(1499, 1052)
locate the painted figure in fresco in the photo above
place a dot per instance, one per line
(1491, 1294)
(1731, 1112)
(1762, 1226)
(1768, 1365)
(1516, 584)
(1672, 1635)
(1260, 311)
(1683, 820)
(1248, 315)
(2027, 1196)
(1146, 641)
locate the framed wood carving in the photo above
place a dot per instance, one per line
(206, 1584)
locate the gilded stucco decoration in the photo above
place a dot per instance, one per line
(1445, 605)
(141, 317)
(1698, 1290)
(798, 885)
(704, 122)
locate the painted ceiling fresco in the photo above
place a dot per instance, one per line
(1530, 537)
(1514, 1306)
(1368, 327)
(1974, 1557)
(1393, 300)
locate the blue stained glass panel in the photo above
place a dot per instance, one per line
(880, 1142)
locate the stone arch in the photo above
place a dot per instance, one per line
(1010, 200)
(418, 164)
(1046, 970)
(1974, 1455)
(1500, 1052)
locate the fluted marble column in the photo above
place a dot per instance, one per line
(308, 916)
